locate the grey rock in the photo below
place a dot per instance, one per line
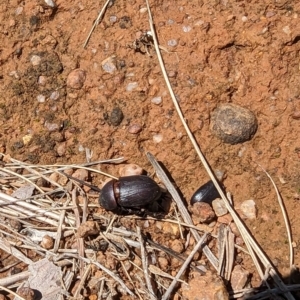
(233, 124)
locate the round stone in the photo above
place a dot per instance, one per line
(76, 79)
(233, 124)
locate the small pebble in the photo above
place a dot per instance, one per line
(109, 65)
(270, 13)
(219, 207)
(163, 263)
(35, 60)
(47, 242)
(172, 43)
(143, 10)
(81, 174)
(42, 80)
(134, 128)
(186, 28)
(116, 116)
(130, 169)
(171, 229)
(248, 208)
(239, 278)
(76, 79)
(244, 19)
(26, 139)
(88, 228)
(131, 86)
(61, 149)
(287, 30)
(113, 19)
(19, 10)
(50, 3)
(233, 124)
(172, 74)
(54, 95)
(51, 126)
(202, 212)
(156, 100)
(177, 246)
(157, 138)
(41, 98)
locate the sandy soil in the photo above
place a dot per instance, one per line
(241, 52)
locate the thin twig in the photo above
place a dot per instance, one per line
(110, 273)
(96, 22)
(12, 292)
(145, 264)
(285, 217)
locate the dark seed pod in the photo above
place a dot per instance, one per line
(129, 192)
(206, 193)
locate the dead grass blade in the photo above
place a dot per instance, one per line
(285, 217)
(96, 22)
(145, 265)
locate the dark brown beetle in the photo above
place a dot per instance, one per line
(129, 192)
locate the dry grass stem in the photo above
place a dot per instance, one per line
(285, 217)
(110, 273)
(12, 292)
(145, 265)
(96, 22)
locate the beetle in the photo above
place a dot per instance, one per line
(129, 192)
(126, 194)
(206, 193)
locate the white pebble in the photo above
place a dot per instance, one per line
(14, 74)
(156, 100)
(186, 28)
(54, 95)
(109, 65)
(244, 19)
(81, 148)
(131, 86)
(35, 60)
(19, 10)
(248, 209)
(113, 19)
(50, 3)
(157, 138)
(287, 30)
(61, 149)
(42, 80)
(143, 10)
(41, 98)
(51, 126)
(219, 207)
(172, 43)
